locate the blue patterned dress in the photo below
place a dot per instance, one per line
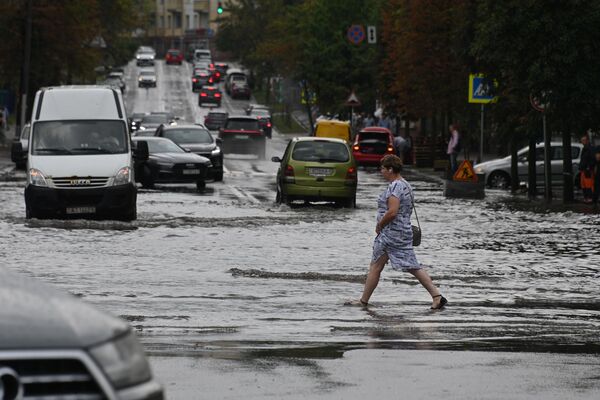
(395, 239)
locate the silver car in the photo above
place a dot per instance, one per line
(20, 146)
(497, 172)
(55, 346)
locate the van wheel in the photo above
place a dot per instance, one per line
(131, 215)
(29, 213)
(200, 186)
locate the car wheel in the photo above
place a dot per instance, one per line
(281, 198)
(499, 180)
(146, 179)
(200, 185)
(21, 165)
(218, 176)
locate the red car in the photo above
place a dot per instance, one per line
(371, 144)
(174, 56)
(243, 135)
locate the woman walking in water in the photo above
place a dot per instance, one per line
(394, 235)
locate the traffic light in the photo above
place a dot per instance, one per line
(219, 8)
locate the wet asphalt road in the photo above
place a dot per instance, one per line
(240, 287)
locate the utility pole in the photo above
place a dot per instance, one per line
(24, 85)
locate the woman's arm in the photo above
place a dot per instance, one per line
(393, 206)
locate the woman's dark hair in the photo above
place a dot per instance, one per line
(392, 161)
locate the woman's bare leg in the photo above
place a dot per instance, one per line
(427, 283)
(375, 269)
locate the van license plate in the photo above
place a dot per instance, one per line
(81, 210)
(320, 172)
(191, 172)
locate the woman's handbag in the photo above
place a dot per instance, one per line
(416, 229)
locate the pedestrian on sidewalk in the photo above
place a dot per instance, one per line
(400, 145)
(394, 235)
(453, 147)
(4, 118)
(586, 169)
(596, 192)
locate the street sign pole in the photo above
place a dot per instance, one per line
(481, 140)
(547, 164)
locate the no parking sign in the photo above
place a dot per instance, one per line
(356, 34)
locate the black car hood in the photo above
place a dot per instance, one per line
(199, 147)
(34, 316)
(179, 158)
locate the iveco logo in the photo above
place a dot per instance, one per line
(80, 182)
(10, 385)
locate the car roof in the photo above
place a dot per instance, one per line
(238, 117)
(318, 139)
(186, 126)
(377, 129)
(156, 138)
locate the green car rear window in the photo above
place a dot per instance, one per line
(320, 151)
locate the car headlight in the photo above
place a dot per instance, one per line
(216, 151)
(479, 170)
(123, 361)
(36, 178)
(123, 176)
(140, 79)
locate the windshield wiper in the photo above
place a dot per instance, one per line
(59, 150)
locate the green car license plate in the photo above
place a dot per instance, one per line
(81, 210)
(320, 172)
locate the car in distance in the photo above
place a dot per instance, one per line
(20, 146)
(263, 115)
(174, 56)
(210, 95)
(135, 120)
(145, 56)
(372, 144)
(56, 346)
(169, 163)
(243, 134)
(200, 78)
(147, 78)
(317, 169)
(151, 122)
(333, 128)
(497, 172)
(215, 119)
(196, 139)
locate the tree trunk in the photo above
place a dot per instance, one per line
(514, 166)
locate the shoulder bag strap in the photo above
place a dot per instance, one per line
(413, 203)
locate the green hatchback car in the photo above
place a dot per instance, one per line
(317, 169)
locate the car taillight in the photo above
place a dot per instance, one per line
(351, 176)
(289, 176)
(356, 147)
(217, 94)
(194, 80)
(268, 124)
(203, 94)
(390, 149)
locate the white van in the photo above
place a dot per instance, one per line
(202, 55)
(79, 160)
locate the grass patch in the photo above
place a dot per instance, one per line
(286, 124)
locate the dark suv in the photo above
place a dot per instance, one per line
(263, 115)
(215, 120)
(196, 139)
(55, 346)
(243, 135)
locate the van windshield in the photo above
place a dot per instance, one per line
(79, 137)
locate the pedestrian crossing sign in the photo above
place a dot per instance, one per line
(465, 173)
(481, 89)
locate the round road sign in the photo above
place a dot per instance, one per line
(356, 34)
(538, 102)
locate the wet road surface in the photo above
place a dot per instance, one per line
(227, 274)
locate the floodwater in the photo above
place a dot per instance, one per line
(228, 274)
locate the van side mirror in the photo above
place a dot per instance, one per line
(141, 152)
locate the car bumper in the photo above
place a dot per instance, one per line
(108, 202)
(141, 63)
(146, 391)
(146, 84)
(177, 176)
(363, 158)
(318, 193)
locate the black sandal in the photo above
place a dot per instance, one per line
(443, 302)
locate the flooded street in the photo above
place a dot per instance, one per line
(228, 279)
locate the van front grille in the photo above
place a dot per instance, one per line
(80, 181)
(57, 378)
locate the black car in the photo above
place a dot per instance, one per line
(196, 139)
(263, 115)
(210, 95)
(169, 163)
(200, 78)
(215, 120)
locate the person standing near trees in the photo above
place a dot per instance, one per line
(453, 147)
(586, 169)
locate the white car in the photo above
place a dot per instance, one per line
(497, 172)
